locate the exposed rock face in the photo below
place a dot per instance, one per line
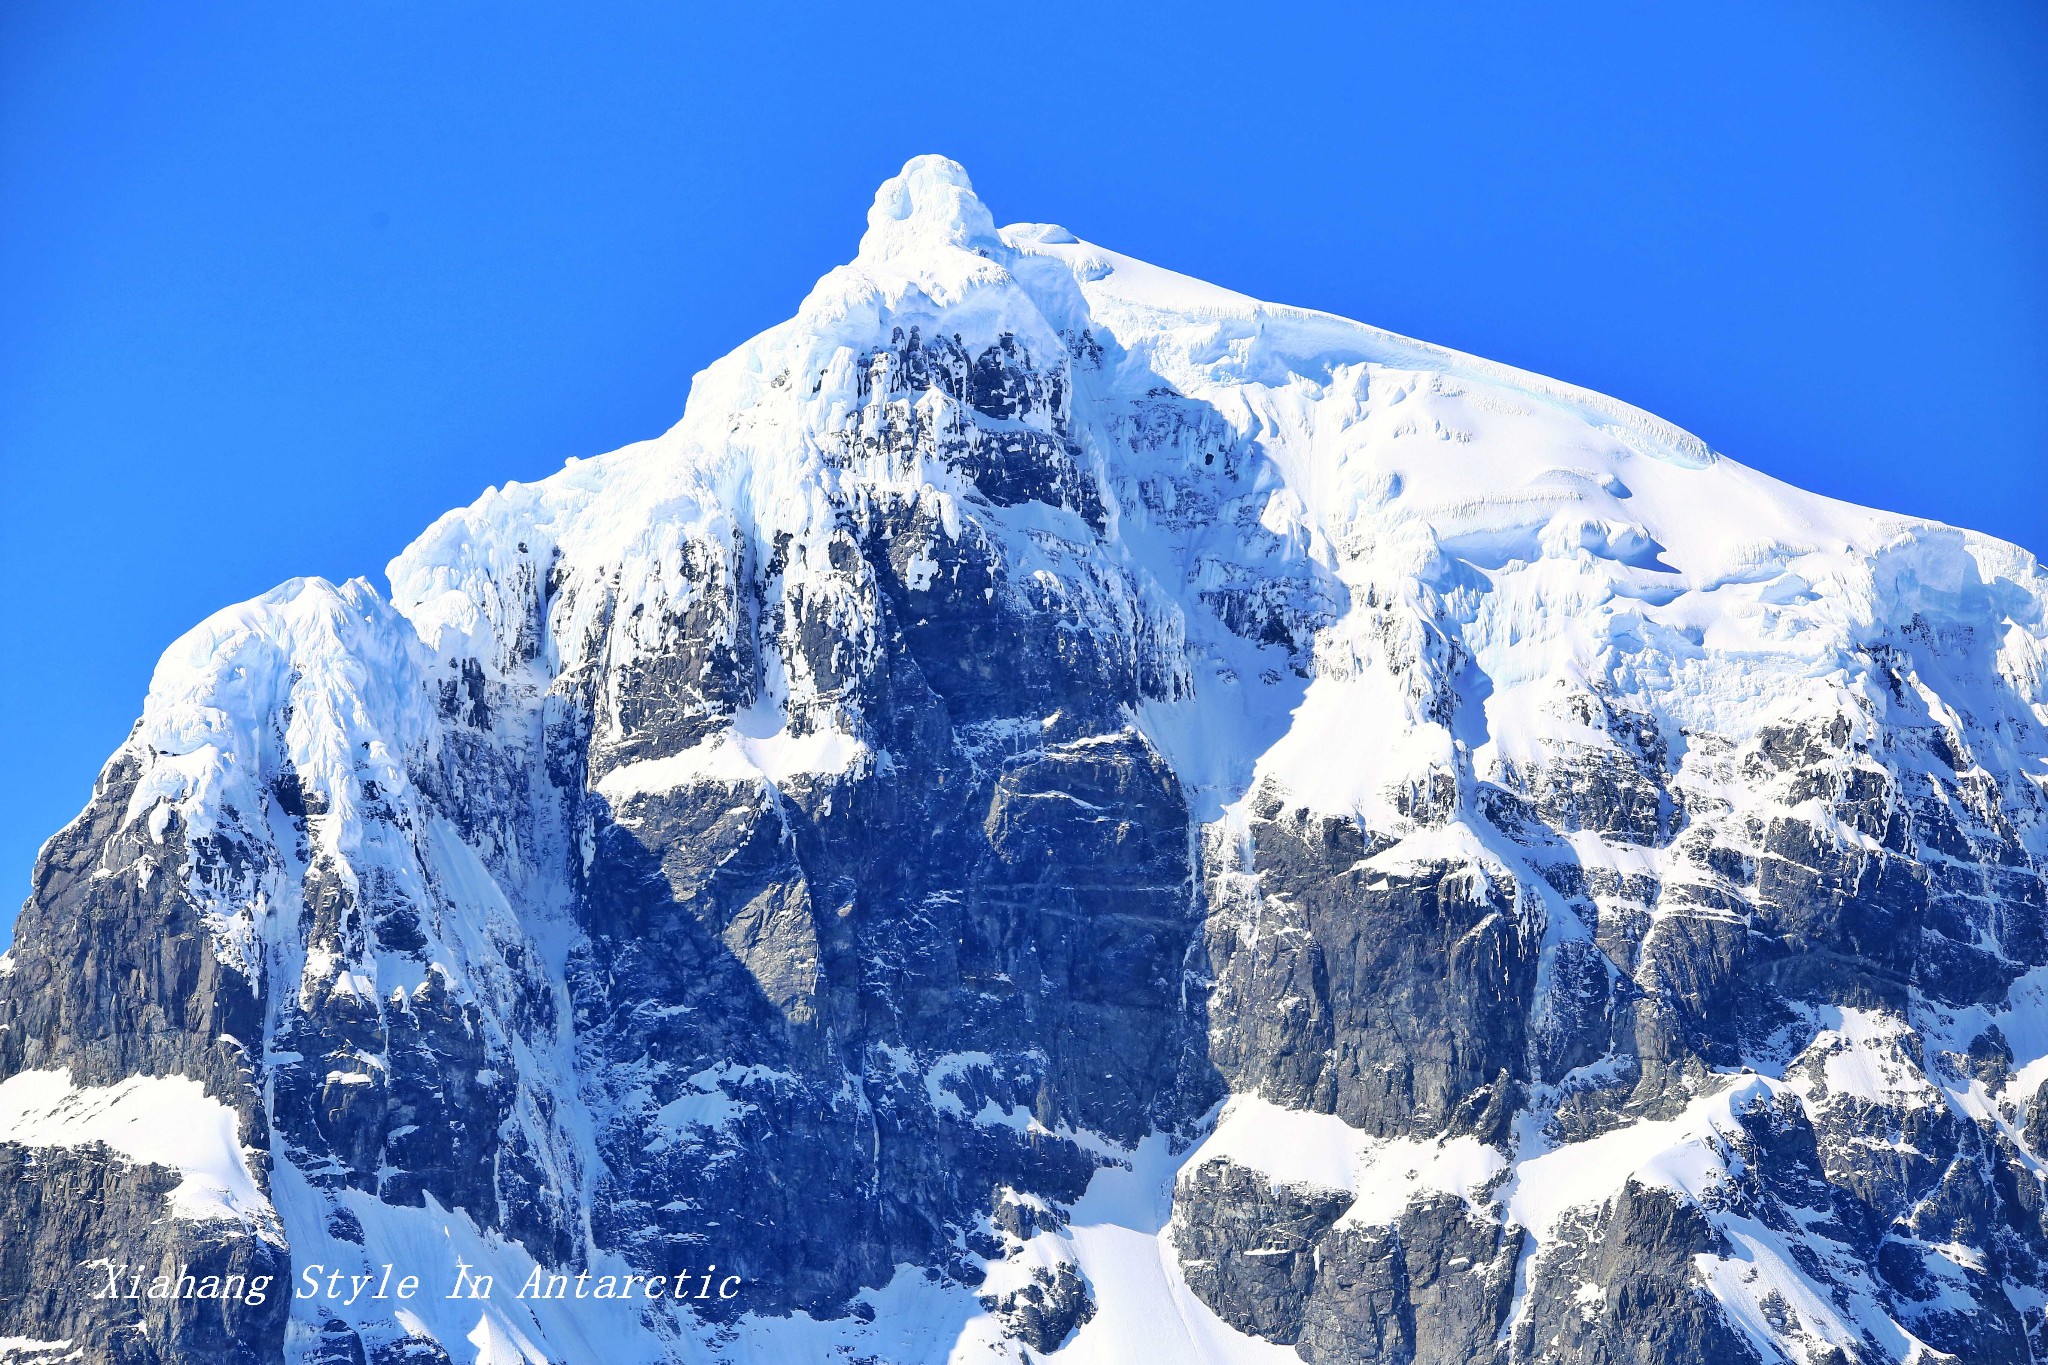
(1066, 811)
(1046, 1310)
(1248, 1248)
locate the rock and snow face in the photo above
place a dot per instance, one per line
(1063, 810)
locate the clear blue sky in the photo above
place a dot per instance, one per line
(280, 283)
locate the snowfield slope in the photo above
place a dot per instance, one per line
(1066, 813)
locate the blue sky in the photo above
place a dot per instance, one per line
(282, 283)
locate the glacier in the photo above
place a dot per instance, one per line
(1063, 812)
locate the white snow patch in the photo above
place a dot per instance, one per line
(1144, 1308)
(1393, 1173)
(1287, 1146)
(734, 757)
(1321, 1151)
(150, 1120)
(1673, 1153)
(1865, 1056)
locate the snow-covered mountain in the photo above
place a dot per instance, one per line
(1066, 813)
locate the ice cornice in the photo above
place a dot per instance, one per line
(929, 203)
(931, 249)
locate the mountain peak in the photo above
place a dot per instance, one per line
(930, 202)
(891, 802)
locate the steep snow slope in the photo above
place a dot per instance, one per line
(1064, 809)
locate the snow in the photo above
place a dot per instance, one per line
(1144, 1310)
(1864, 1056)
(1394, 1173)
(733, 756)
(1321, 1151)
(149, 1120)
(929, 205)
(707, 1106)
(439, 1247)
(30, 1351)
(1680, 1153)
(1764, 1266)
(1287, 1146)
(1557, 534)
(948, 1067)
